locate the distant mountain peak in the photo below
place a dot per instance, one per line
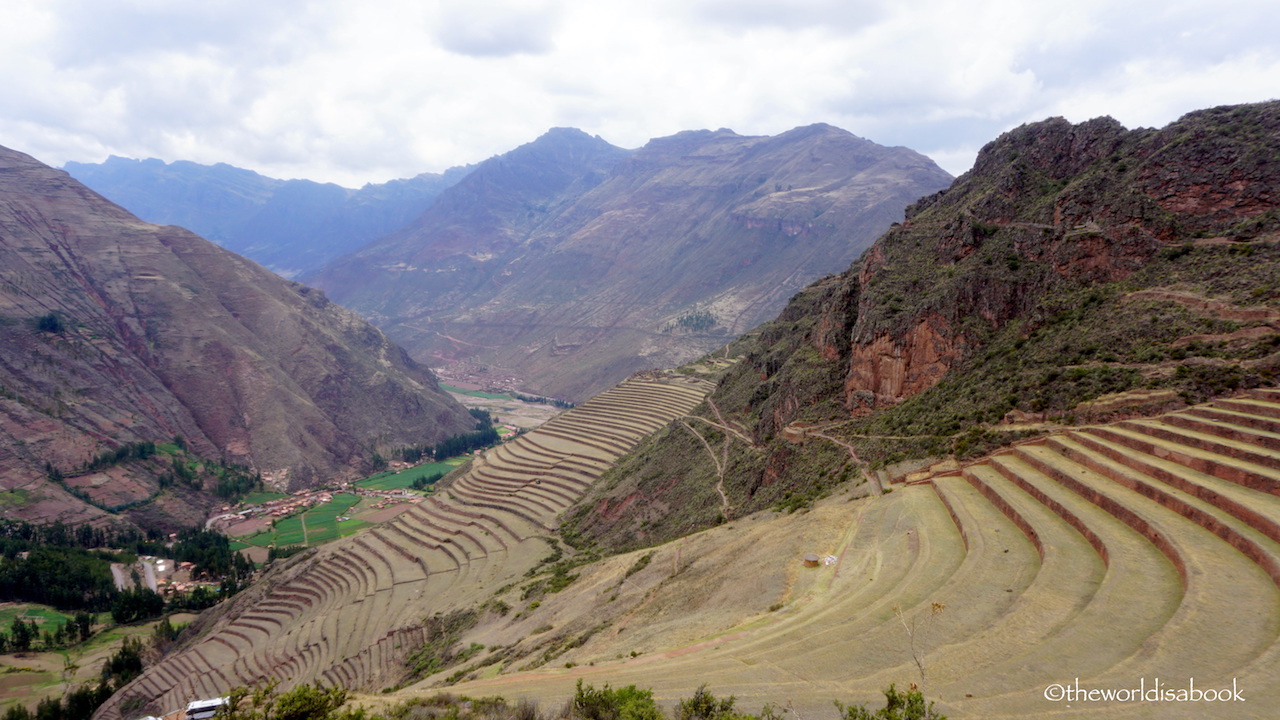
(575, 262)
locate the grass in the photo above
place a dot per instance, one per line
(43, 615)
(476, 393)
(311, 527)
(262, 497)
(400, 480)
(17, 497)
(351, 527)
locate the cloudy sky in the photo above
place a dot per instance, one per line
(364, 92)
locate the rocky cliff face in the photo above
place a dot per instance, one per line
(574, 264)
(289, 226)
(1072, 262)
(115, 332)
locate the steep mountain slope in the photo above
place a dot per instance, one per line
(572, 264)
(1072, 262)
(115, 333)
(290, 226)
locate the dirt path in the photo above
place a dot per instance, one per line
(722, 462)
(871, 477)
(724, 499)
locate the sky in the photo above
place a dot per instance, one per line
(346, 92)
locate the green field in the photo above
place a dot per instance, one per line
(404, 478)
(475, 393)
(258, 498)
(312, 527)
(43, 615)
(351, 527)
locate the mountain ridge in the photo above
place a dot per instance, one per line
(118, 332)
(1073, 262)
(575, 288)
(290, 226)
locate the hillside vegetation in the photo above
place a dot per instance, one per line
(1074, 262)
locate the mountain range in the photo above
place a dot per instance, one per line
(119, 335)
(570, 263)
(289, 226)
(1079, 272)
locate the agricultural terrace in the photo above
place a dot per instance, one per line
(352, 612)
(1116, 553)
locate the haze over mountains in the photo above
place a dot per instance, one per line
(117, 332)
(567, 263)
(289, 226)
(573, 263)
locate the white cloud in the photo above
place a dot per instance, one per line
(333, 90)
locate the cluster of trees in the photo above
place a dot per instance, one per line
(23, 635)
(212, 554)
(484, 435)
(111, 458)
(554, 402)
(53, 565)
(279, 553)
(427, 481)
(138, 603)
(232, 480)
(67, 578)
(465, 443)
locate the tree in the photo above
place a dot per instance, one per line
(21, 634)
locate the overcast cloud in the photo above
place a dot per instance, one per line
(355, 93)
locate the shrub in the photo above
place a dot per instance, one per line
(909, 705)
(50, 323)
(704, 706)
(628, 703)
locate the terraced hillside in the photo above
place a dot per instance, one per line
(1115, 554)
(351, 612)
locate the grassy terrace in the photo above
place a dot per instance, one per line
(1142, 548)
(352, 614)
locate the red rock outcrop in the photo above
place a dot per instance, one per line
(893, 369)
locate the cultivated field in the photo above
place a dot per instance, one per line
(348, 613)
(1115, 554)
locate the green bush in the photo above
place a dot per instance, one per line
(628, 703)
(909, 705)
